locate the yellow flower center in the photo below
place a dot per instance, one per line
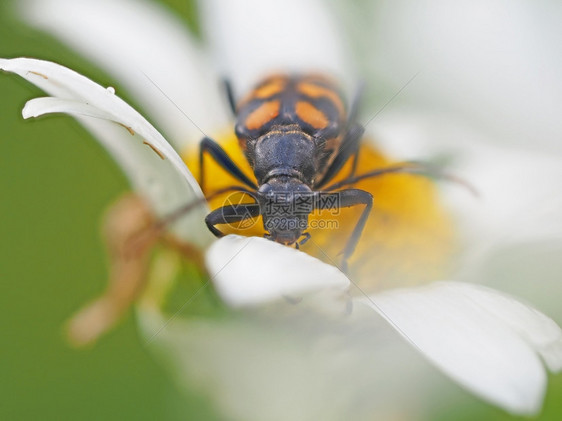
(408, 237)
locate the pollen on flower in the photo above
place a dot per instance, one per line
(408, 237)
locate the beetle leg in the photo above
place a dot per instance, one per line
(351, 142)
(357, 132)
(354, 129)
(229, 214)
(354, 108)
(229, 95)
(211, 147)
(349, 148)
(345, 199)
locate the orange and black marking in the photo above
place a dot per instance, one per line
(312, 104)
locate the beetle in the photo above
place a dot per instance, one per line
(297, 133)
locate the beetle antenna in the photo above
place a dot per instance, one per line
(411, 167)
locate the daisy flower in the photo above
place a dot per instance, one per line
(297, 339)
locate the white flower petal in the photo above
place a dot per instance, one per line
(40, 106)
(518, 187)
(482, 339)
(531, 270)
(64, 83)
(298, 368)
(538, 330)
(159, 174)
(253, 38)
(138, 41)
(494, 63)
(249, 271)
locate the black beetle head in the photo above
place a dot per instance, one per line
(285, 204)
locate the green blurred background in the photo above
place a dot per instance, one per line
(55, 184)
